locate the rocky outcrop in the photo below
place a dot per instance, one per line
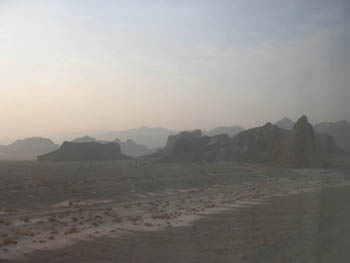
(300, 149)
(90, 151)
(258, 145)
(268, 144)
(172, 139)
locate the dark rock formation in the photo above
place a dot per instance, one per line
(172, 139)
(300, 148)
(90, 151)
(258, 145)
(183, 147)
(268, 144)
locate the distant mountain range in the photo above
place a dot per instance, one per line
(28, 148)
(129, 147)
(145, 140)
(153, 138)
(134, 142)
(300, 147)
(285, 123)
(133, 149)
(229, 130)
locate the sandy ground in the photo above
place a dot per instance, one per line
(56, 227)
(309, 227)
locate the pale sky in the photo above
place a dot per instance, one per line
(71, 65)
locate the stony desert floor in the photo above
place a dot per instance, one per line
(143, 212)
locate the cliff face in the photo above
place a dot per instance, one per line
(183, 147)
(173, 139)
(300, 148)
(90, 151)
(258, 145)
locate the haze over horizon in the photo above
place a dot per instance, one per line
(88, 65)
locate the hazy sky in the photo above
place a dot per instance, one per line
(70, 65)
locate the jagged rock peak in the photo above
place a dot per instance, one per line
(268, 125)
(303, 126)
(302, 120)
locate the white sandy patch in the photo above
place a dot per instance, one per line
(90, 202)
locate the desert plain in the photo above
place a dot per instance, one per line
(139, 211)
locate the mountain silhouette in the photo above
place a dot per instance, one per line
(27, 148)
(129, 147)
(89, 151)
(301, 147)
